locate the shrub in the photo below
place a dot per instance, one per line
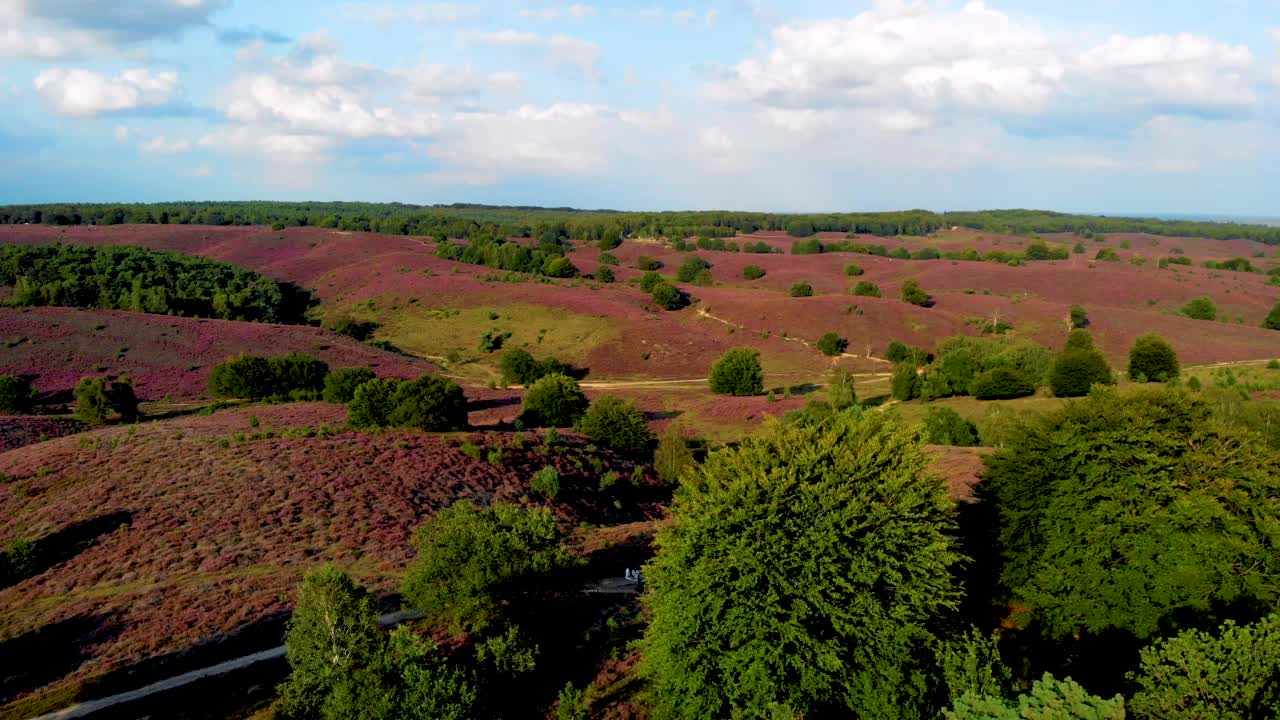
(340, 385)
(429, 403)
(253, 378)
(703, 279)
(802, 289)
(914, 294)
(16, 395)
(520, 368)
(752, 272)
(926, 254)
(352, 328)
(647, 264)
(1047, 698)
(122, 399)
(1079, 318)
(1273, 364)
(18, 561)
(604, 274)
(1154, 359)
(672, 455)
(841, 393)
(493, 340)
(546, 482)
(832, 344)
(553, 401)
(1078, 249)
(1001, 383)
(669, 297)
(1107, 255)
(905, 383)
(866, 288)
(371, 403)
(1201, 308)
(607, 259)
(853, 270)
(899, 352)
(470, 560)
(807, 512)
(616, 424)
(91, 401)
(690, 268)
(900, 253)
(944, 426)
(737, 372)
(650, 280)
(1272, 320)
(560, 267)
(1079, 339)
(1075, 371)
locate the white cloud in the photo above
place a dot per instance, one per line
(1179, 69)
(559, 49)
(165, 146)
(427, 13)
(712, 17)
(320, 109)
(122, 134)
(84, 93)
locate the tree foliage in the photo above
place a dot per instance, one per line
(1075, 371)
(142, 280)
(340, 385)
(1272, 320)
(253, 378)
(472, 560)
(553, 401)
(911, 292)
(690, 268)
(1201, 308)
(519, 367)
(841, 393)
(1153, 359)
(615, 423)
(752, 272)
(1048, 699)
(428, 403)
(371, 403)
(831, 344)
(905, 383)
(1133, 512)
(801, 289)
(822, 551)
(1079, 339)
(1001, 383)
(672, 455)
(1079, 318)
(669, 297)
(944, 426)
(16, 395)
(737, 372)
(866, 288)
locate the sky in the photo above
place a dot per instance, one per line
(1140, 106)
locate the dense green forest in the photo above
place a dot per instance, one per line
(141, 280)
(465, 221)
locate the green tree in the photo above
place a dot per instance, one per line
(1079, 339)
(690, 268)
(824, 553)
(1079, 318)
(1272, 320)
(372, 402)
(801, 289)
(245, 376)
(752, 272)
(673, 455)
(1001, 383)
(1133, 513)
(1233, 675)
(607, 259)
(340, 385)
(649, 281)
(841, 392)
(866, 288)
(669, 297)
(853, 270)
(647, 264)
(560, 267)
(546, 482)
(472, 560)
(553, 401)
(737, 372)
(905, 383)
(16, 395)
(604, 274)
(429, 403)
(616, 424)
(1048, 699)
(1153, 358)
(1201, 308)
(912, 293)
(944, 426)
(92, 405)
(831, 344)
(1075, 371)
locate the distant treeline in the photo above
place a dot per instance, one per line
(604, 226)
(142, 280)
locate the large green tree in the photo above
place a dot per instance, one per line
(1134, 512)
(737, 372)
(1048, 699)
(802, 576)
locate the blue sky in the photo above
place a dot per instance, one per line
(1095, 106)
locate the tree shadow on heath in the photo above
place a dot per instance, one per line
(62, 545)
(39, 657)
(492, 403)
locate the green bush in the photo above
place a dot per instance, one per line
(703, 279)
(669, 297)
(905, 383)
(493, 340)
(1075, 371)
(1079, 339)
(853, 270)
(520, 368)
(899, 352)
(607, 259)
(802, 289)
(553, 401)
(122, 399)
(649, 281)
(546, 482)
(841, 393)
(91, 401)
(672, 455)
(737, 372)
(1001, 383)
(16, 395)
(866, 288)
(647, 264)
(253, 378)
(372, 402)
(832, 344)
(604, 274)
(340, 385)
(1273, 364)
(1272, 320)
(690, 268)
(560, 267)
(1201, 308)
(912, 293)
(18, 561)
(429, 403)
(1153, 359)
(1048, 699)
(944, 426)
(1107, 255)
(1079, 318)
(752, 272)
(614, 423)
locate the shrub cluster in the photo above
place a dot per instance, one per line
(519, 367)
(944, 426)
(429, 403)
(691, 267)
(669, 297)
(1152, 359)
(16, 395)
(250, 377)
(1075, 371)
(831, 344)
(737, 372)
(866, 288)
(617, 424)
(97, 398)
(752, 272)
(553, 401)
